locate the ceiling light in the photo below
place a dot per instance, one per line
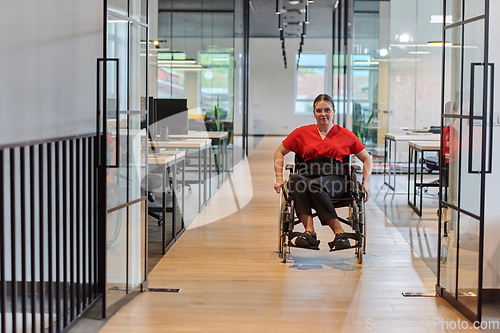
(439, 18)
(307, 14)
(404, 38)
(419, 52)
(156, 43)
(303, 30)
(280, 21)
(278, 6)
(294, 2)
(383, 52)
(174, 61)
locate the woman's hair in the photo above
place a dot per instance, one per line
(323, 97)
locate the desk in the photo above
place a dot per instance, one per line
(169, 159)
(201, 145)
(390, 159)
(421, 147)
(222, 138)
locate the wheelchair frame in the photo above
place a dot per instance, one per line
(355, 220)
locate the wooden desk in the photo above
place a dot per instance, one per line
(390, 159)
(169, 161)
(416, 147)
(222, 138)
(201, 145)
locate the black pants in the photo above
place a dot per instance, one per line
(316, 193)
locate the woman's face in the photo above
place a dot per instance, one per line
(324, 113)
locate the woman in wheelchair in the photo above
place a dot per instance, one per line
(322, 177)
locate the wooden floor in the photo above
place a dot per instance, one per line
(232, 280)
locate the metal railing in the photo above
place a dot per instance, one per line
(48, 234)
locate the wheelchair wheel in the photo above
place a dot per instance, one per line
(361, 213)
(356, 226)
(282, 223)
(285, 224)
(287, 229)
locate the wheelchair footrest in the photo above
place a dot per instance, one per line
(341, 240)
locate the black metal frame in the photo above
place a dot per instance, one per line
(246, 62)
(485, 168)
(472, 117)
(42, 200)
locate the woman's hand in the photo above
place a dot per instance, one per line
(367, 171)
(277, 185)
(366, 189)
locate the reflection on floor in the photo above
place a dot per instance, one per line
(420, 232)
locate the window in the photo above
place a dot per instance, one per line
(216, 84)
(309, 81)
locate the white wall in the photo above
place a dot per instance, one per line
(48, 68)
(272, 87)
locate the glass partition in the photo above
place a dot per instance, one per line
(127, 89)
(198, 63)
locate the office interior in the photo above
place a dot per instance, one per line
(136, 187)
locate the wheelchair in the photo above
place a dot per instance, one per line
(355, 219)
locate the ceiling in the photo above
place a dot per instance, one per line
(194, 18)
(264, 21)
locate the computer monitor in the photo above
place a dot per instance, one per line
(171, 116)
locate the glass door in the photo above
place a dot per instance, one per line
(466, 98)
(123, 162)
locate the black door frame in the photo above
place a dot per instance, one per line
(441, 291)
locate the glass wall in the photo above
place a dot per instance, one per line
(126, 105)
(415, 64)
(360, 69)
(387, 67)
(197, 62)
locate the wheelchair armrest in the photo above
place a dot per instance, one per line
(289, 167)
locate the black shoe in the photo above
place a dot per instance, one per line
(308, 240)
(339, 244)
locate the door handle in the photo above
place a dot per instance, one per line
(104, 114)
(487, 110)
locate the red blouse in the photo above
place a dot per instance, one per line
(307, 142)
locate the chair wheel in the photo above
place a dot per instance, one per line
(160, 221)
